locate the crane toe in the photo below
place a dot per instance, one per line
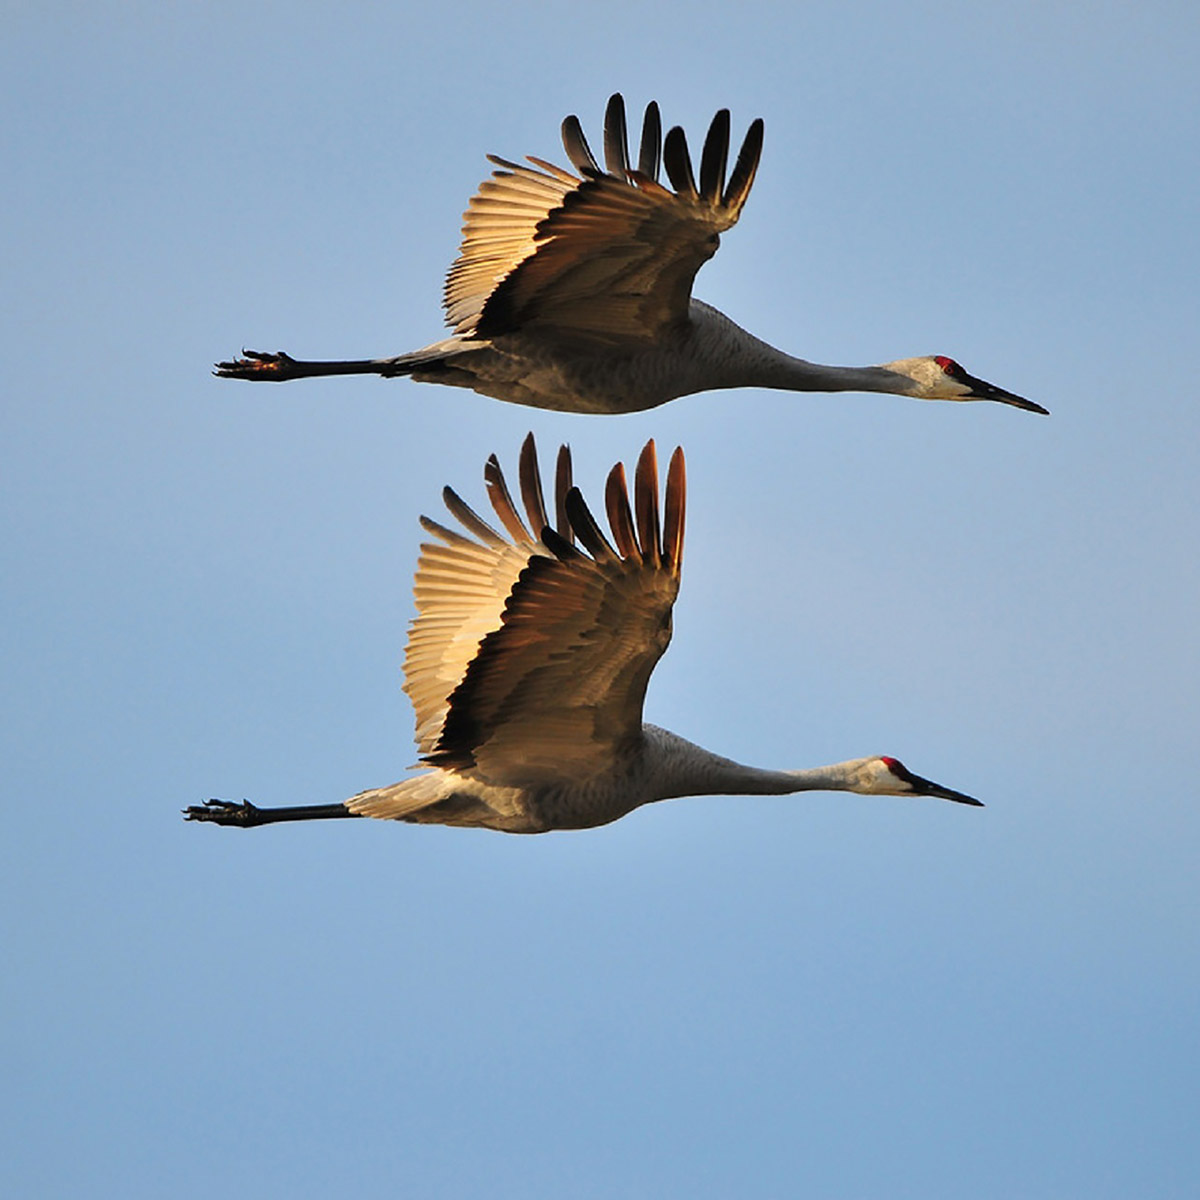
(223, 812)
(258, 365)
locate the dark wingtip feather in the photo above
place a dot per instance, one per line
(589, 533)
(502, 502)
(616, 140)
(742, 178)
(562, 485)
(558, 545)
(466, 516)
(645, 487)
(714, 158)
(679, 163)
(620, 516)
(650, 150)
(575, 144)
(675, 511)
(531, 485)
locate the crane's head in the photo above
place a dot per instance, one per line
(936, 377)
(884, 776)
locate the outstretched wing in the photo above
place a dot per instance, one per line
(463, 583)
(606, 256)
(556, 688)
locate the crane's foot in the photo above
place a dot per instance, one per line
(225, 812)
(257, 365)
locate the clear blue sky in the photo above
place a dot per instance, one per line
(207, 586)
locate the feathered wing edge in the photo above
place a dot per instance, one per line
(644, 539)
(647, 537)
(514, 212)
(463, 581)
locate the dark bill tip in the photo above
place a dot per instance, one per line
(1020, 402)
(982, 390)
(926, 787)
(942, 793)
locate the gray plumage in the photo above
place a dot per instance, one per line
(572, 291)
(527, 666)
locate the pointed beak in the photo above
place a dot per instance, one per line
(982, 390)
(926, 787)
(922, 786)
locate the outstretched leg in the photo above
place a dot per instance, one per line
(279, 367)
(245, 815)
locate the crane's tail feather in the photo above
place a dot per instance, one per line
(402, 801)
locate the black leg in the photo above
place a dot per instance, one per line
(279, 367)
(245, 815)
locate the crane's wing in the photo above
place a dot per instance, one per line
(556, 688)
(462, 584)
(606, 256)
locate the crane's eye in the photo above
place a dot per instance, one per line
(948, 365)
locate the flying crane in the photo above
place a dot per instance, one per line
(527, 666)
(572, 291)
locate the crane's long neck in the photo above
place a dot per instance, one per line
(739, 359)
(681, 768)
(785, 372)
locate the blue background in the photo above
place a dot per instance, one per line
(207, 586)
